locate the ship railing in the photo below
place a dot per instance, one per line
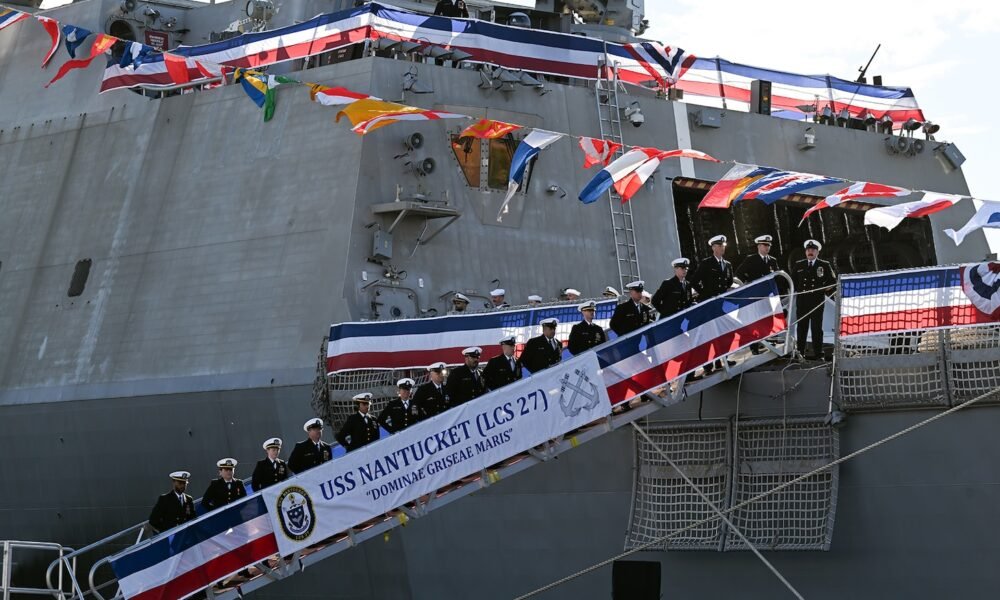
(66, 573)
(68, 563)
(918, 368)
(331, 395)
(332, 392)
(277, 568)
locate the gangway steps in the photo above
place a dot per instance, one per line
(640, 408)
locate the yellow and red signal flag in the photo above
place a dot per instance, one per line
(369, 115)
(489, 129)
(102, 44)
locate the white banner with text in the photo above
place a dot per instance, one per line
(384, 475)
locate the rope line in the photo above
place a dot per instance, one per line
(719, 512)
(760, 496)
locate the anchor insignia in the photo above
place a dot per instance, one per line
(578, 396)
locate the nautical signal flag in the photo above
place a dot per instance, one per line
(176, 66)
(74, 36)
(771, 188)
(370, 114)
(767, 184)
(597, 151)
(629, 172)
(260, 88)
(890, 216)
(732, 184)
(633, 182)
(102, 43)
(335, 96)
(528, 149)
(988, 216)
(488, 129)
(52, 28)
(9, 16)
(135, 55)
(179, 71)
(615, 172)
(861, 189)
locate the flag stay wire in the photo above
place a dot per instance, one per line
(761, 496)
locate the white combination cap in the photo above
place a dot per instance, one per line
(635, 285)
(438, 366)
(180, 476)
(460, 298)
(681, 262)
(362, 397)
(406, 383)
(591, 305)
(719, 239)
(812, 244)
(272, 443)
(763, 239)
(473, 351)
(509, 340)
(313, 423)
(551, 322)
(227, 463)
(610, 292)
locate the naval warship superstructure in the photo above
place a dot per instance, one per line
(169, 264)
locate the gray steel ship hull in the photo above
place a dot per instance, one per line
(222, 248)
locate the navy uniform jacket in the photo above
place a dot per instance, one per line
(305, 455)
(498, 374)
(756, 266)
(266, 473)
(169, 512)
(808, 278)
(220, 493)
(397, 417)
(627, 317)
(539, 354)
(431, 401)
(585, 336)
(673, 296)
(357, 431)
(711, 279)
(463, 385)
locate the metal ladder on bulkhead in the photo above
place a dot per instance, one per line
(609, 118)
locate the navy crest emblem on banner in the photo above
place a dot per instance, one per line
(295, 513)
(579, 395)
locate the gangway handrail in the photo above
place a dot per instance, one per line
(74, 554)
(57, 592)
(663, 397)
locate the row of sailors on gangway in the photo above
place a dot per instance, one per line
(445, 390)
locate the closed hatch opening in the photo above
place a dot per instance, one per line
(79, 281)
